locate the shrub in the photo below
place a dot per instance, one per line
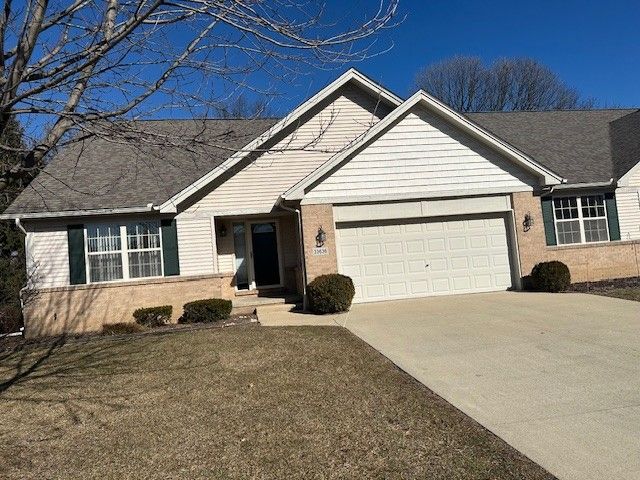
(209, 310)
(122, 328)
(10, 318)
(551, 276)
(330, 293)
(153, 316)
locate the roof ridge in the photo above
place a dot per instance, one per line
(590, 110)
(208, 119)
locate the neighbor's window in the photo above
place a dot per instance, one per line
(121, 252)
(580, 219)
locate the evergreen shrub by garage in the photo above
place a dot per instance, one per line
(209, 310)
(153, 316)
(330, 293)
(551, 276)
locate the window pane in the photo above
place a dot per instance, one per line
(145, 264)
(103, 238)
(105, 267)
(593, 206)
(565, 208)
(143, 235)
(240, 248)
(596, 230)
(569, 232)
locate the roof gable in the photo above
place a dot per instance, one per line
(447, 115)
(351, 76)
(131, 171)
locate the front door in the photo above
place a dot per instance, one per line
(266, 265)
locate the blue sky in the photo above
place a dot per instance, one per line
(594, 46)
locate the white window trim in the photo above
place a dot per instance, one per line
(580, 219)
(124, 253)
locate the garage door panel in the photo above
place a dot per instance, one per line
(417, 258)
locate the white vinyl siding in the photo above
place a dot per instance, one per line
(628, 203)
(257, 186)
(422, 153)
(47, 255)
(195, 245)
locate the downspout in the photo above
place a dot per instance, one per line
(280, 203)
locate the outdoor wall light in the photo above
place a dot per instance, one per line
(321, 237)
(527, 223)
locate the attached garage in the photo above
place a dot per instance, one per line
(421, 205)
(394, 258)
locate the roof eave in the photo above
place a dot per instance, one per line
(78, 213)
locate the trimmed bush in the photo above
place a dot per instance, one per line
(551, 276)
(122, 328)
(209, 310)
(330, 293)
(10, 318)
(153, 316)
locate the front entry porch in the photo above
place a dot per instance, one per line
(262, 251)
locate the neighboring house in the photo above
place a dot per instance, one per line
(407, 197)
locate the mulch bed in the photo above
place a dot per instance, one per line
(19, 342)
(603, 285)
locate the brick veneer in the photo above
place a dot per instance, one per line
(589, 262)
(313, 217)
(86, 308)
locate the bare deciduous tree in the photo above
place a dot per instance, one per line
(508, 84)
(71, 65)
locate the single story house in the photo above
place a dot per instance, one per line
(406, 196)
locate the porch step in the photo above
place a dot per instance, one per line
(249, 304)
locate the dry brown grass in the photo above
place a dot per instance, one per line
(243, 402)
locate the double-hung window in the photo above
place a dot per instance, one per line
(580, 219)
(123, 251)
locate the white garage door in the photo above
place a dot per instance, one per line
(403, 259)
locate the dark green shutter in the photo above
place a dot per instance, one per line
(547, 219)
(77, 266)
(612, 216)
(170, 247)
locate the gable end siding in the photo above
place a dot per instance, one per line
(258, 184)
(422, 153)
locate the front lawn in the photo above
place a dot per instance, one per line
(241, 402)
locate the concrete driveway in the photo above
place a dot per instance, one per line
(556, 376)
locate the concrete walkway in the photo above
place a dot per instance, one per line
(556, 376)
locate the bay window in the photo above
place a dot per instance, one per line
(123, 251)
(580, 219)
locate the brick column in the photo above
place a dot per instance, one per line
(532, 244)
(314, 217)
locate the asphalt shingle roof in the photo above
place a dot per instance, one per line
(583, 146)
(150, 161)
(146, 162)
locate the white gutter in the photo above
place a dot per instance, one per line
(79, 213)
(578, 186)
(280, 204)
